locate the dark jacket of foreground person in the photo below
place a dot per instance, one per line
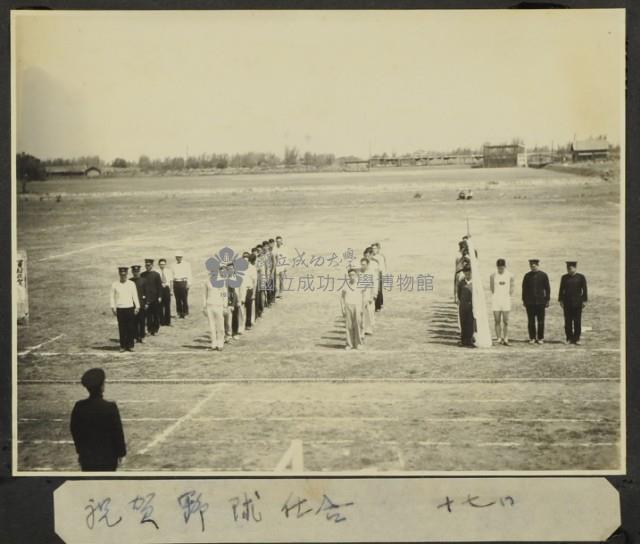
(573, 290)
(535, 288)
(97, 433)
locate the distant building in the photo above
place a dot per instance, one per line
(73, 170)
(499, 156)
(590, 150)
(355, 165)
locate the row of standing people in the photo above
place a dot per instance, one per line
(536, 296)
(362, 296)
(238, 293)
(142, 302)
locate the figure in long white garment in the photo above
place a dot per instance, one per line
(483, 334)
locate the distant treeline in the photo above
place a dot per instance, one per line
(252, 159)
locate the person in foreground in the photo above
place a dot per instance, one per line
(96, 427)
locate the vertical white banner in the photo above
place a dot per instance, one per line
(22, 291)
(483, 334)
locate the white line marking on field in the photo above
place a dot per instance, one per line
(33, 348)
(115, 242)
(153, 353)
(163, 435)
(401, 459)
(293, 457)
(363, 380)
(74, 251)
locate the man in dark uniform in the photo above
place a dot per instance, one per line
(140, 319)
(153, 284)
(536, 293)
(465, 309)
(96, 427)
(573, 298)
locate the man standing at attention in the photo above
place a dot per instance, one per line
(166, 277)
(382, 269)
(366, 281)
(282, 257)
(501, 291)
(536, 293)
(181, 283)
(153, 284)
(140, 318)
(213, 307)
(352, 300)
(125, 305)
(249, 282)
(260, 281)
(96, 427)
(573, 299)
(465, 308)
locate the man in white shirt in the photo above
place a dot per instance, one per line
(125, 305)
(501, 284)
(166, 276)
(282, 261)
(214, 305)
(181, 284)
(352, 301)
(367, 282)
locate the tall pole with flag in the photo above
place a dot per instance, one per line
(483, 333)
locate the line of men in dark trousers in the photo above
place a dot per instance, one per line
(536, 295)
(142, 303)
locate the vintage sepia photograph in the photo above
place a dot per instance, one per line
(318, 242)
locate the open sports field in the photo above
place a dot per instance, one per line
(411, 401)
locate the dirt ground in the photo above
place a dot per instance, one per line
(411, 401)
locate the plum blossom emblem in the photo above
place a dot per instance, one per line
(226, 268)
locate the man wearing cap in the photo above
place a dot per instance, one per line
(573, 298)
(166, 278)
(181, 284)
(154, 297)
(140, 318)
(465, 308)
(501, 283)
(96, 426)
(536, 293)
(125, 305)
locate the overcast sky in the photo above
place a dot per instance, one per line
(122, 84)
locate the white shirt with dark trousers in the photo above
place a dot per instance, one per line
(124, 295)
(124, 300)
(181, 282)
